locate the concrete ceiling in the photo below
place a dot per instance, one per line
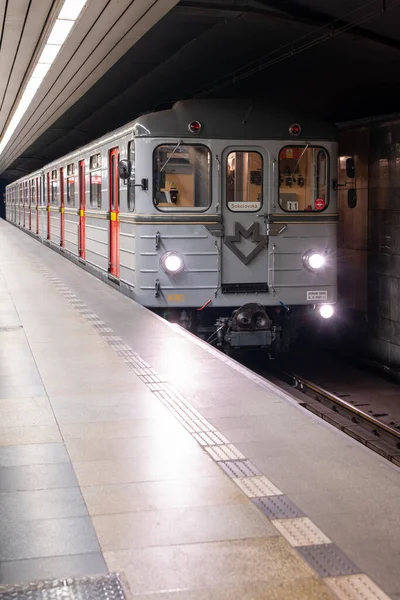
(338, 58)
(23, 25)
(104, 32)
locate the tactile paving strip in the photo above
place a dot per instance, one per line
(198, 426)
(278, 507)
(257, 487)
(210, 438)
(239, 468)
(355, 587)
(301, 532)
(102, 587)
(224, 452)
(327, 560)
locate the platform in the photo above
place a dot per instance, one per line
(128, 446)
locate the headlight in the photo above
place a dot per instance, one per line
(326, 311)
(314, 260)
(172, 263)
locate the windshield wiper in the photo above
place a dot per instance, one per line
(169, 157)
(301, 156)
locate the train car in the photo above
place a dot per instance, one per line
(221, 215)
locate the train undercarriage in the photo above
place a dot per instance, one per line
(250, 326)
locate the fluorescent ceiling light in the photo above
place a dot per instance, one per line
(71, 9)
(34, 83)
(60, 31)
(40, 70)
(69, 12)
(49, 53)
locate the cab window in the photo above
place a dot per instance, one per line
(303, 178)
(182, 177)
(131, 182)
(244, 175)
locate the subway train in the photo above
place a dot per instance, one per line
(218, 215)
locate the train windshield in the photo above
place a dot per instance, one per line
(303, 178)
(182, 177)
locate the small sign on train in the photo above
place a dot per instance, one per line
(317, 295)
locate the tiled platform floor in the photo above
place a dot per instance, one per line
(97, 473)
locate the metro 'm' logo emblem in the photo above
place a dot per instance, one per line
(254, 232)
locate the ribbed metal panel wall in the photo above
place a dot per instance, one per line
(384, 243)
(369, 238)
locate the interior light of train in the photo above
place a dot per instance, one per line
(69, 12)
(326, 311)
(195, 127)
(295, 129)
(172, 263)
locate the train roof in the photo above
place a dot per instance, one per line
(227, 119)
(220, 119)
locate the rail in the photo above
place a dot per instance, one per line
(372, 432)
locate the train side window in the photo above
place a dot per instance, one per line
(33, 192)
(95, 189)
(55, 188)
(95, 180)
(71, 185)
(244, 177)
(303, 178)
(182, 177)
(131, 182)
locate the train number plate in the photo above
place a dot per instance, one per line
(317, 295)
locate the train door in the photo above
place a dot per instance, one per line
(30, 186)
(113, 179)
(24, 201)
(37, 204)
(62, 218)
(82, 207)
(48, 205)
(244, 207)
(42, 203)
(20, 200)
(23, 205)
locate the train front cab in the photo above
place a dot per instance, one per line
(241, 232)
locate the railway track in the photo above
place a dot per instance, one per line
(369, 430)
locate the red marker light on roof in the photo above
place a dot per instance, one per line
(295, 129)
(194, 127)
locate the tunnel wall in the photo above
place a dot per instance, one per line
(369, 242)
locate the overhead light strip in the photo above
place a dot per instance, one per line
(70, 11)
